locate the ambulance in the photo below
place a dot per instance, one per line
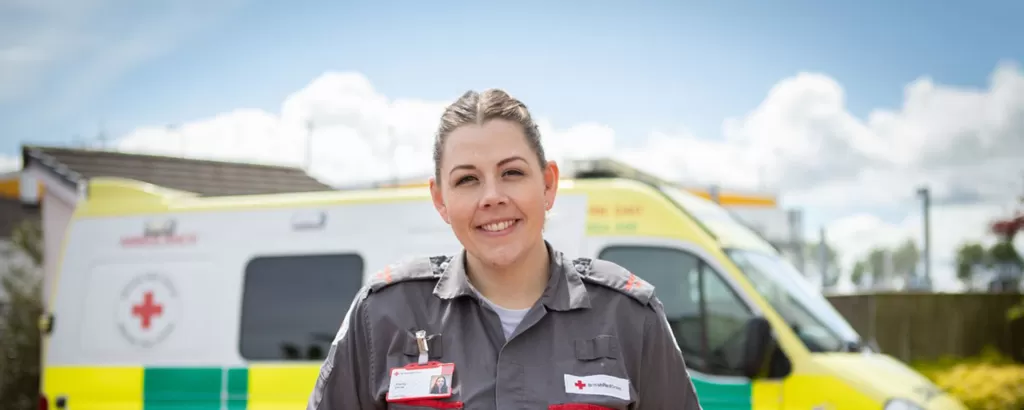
(168, 300)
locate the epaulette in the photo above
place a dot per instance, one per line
(613, 276)
(428, 268)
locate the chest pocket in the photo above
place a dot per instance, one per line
(403, 349)
(596, 376)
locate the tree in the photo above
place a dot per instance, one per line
(968, 257)
(1004, 253)
(883, 264)
(19, 330)
(1007, 228)
(905, 258)
(831, 271)
(876, 265)
(859, 271)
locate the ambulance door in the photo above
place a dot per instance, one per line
(707, 315)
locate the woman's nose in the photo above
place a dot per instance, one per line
(493, 195)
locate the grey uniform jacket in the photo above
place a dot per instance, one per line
(594, 320)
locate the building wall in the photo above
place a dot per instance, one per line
(56, 216)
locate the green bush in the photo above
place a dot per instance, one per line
(990, 381)
(19, 329)
(1016, 312)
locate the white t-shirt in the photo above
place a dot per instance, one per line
(510, 318)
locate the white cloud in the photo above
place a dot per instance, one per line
(355, 132)
(359, 135)
(967, 144)
(9, 163)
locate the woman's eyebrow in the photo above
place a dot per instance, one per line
(500, 163)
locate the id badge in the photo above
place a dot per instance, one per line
(432, 380)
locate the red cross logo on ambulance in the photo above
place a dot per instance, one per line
(148, 309)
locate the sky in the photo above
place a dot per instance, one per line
(844, 109)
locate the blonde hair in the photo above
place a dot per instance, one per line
(478, 108)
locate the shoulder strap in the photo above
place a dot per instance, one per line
(428, 268)
(615, 277)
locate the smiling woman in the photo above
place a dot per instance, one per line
(493, 186)
(509, 322)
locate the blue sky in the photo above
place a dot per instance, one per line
(636, 67)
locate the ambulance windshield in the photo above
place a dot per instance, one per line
(812, 317)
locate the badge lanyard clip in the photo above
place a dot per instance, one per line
(421, 343)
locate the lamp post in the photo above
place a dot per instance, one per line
(925, 195)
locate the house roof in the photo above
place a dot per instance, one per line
(203, 177)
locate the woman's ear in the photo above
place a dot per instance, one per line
(438, 198)
(551, 177)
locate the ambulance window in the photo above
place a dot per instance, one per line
(676, 276)
(292, 305)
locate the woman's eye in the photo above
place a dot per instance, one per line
(464, 179)
(514, 172)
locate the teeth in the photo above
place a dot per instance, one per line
(498, 226)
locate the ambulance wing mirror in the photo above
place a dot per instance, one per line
(759, 343)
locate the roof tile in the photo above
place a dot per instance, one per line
(204, 177)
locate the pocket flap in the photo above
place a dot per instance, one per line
(603, 346)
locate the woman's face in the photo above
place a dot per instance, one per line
(493, 192)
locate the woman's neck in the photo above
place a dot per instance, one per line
(517, 286)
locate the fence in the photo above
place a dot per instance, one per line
(929, 326)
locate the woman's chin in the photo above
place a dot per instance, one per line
(499, 257)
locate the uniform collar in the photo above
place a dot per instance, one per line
(564, 291)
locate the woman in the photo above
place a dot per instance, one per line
(440, 386)
(512, 322)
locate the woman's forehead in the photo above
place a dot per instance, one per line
(495, 131)
(487, 144)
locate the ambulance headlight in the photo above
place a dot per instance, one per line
(901, 404)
